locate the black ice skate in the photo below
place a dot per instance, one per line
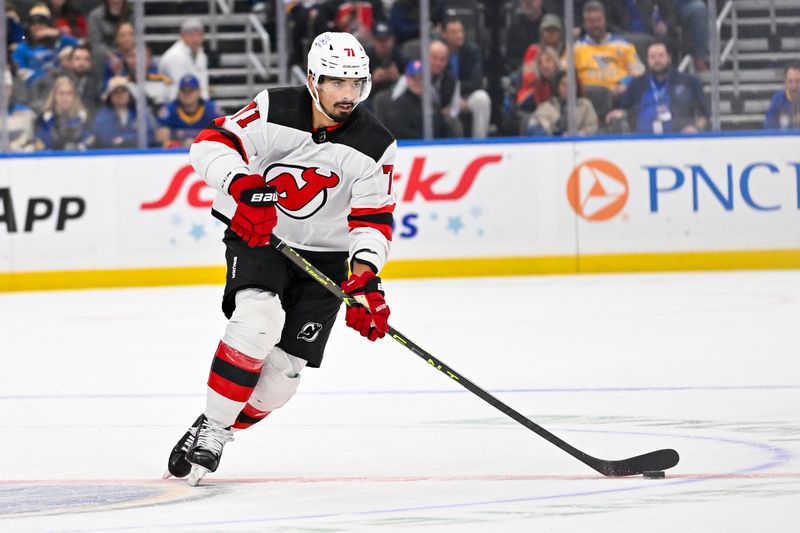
(177, 465)
(206, 450)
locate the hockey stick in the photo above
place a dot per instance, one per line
(652, 461)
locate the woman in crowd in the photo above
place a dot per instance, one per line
(538, 80)
(550, 118)
(122, 62)
(103, 21)
(63, 122)
(116, 122)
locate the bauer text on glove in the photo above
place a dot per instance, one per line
(255, 215)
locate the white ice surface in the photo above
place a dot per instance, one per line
(96, 386)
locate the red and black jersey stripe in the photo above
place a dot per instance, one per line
(380, 219)
(233, 374)
(216, 133)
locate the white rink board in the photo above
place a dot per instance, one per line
(672, 206)
(477, 200)
(114, 231)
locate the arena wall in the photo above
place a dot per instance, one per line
(500, 207)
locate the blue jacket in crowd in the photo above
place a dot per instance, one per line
(682, 94)
(35, 61)
(183, 126)
(782, 106)
(108, 126)
(56, 133)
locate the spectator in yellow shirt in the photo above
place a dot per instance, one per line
(605, 63)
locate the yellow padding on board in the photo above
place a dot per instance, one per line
(428, 268)
(664, 262)
(655, 262)
(100, 279)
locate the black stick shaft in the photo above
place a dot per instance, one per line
(613, 468)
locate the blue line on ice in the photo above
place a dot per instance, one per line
(721, 388)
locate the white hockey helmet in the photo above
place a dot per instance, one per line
(338, 55)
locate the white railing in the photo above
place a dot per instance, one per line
(732, 46)
(223, 7)
(262, 63)
(773, 20)
(255, 63)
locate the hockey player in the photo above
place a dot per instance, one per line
(310, 167)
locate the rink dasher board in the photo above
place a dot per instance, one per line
(497, 207)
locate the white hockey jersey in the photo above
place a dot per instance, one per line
(334, 185)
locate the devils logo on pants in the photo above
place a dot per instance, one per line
(310, 331)
(301, 191)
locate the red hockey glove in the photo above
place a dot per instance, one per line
(255, 215)
(372, 320)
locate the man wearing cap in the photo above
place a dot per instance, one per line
(524, 29)
(446, 94)
(385, 59)
(39, 53)
(181, 120)
(404, 118)
(186, 56)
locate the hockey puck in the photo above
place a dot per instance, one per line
(654, 474)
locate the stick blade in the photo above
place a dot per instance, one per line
(657, 460)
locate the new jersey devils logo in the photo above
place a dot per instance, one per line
(310, 331)
(301, 191)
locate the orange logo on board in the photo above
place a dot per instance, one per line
(597, 190)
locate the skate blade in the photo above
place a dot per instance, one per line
(197, 473)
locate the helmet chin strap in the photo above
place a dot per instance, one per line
(314, 92)
(315, 96)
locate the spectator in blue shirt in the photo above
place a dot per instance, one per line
(181, 120)
(662, 101)
(38, 54)
(116, 122)
(784, 109)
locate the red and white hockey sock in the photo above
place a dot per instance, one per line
(231, 381)
(249, 416)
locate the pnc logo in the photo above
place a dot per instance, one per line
(597, 190)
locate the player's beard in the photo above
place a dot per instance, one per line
(339, 115)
